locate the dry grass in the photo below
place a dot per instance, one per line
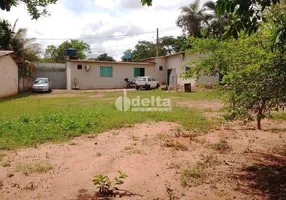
(221, 146)
(2, 155)
(5, 164)
(29, 168)
(175, 145)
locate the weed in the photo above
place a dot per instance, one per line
(127, 148)
(281, 150)
(106, 186)
(221, 146)
(192, 176)
(197, 174)
(5, 164)
(2, 155)
(176, 145)
(29, 168)
(134, 138)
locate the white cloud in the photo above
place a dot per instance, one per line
(98, 19)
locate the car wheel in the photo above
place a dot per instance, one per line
(147, 87)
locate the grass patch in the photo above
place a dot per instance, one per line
(279, 115)
(221, 146)
(5, 164)
(2, 155)
(175, 145)
(32, 120)
(198, 174)
(29, 168)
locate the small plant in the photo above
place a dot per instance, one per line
(176, 145)
(5, 164)
(106, 186)
(221, 146)
(193, 176)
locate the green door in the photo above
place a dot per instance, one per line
(136, 71)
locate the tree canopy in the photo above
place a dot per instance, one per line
(105, 57)
(57, 54)
(36, 8)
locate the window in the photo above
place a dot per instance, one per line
(106, 71)
(79, 67)
(161, 68)
(187, 69)
(139, 71)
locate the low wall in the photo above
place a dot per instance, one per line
(25, 84)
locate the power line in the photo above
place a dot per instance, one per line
(108, 37)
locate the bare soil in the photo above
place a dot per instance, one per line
(249, 164)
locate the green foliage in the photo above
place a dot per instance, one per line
(36, 8)
(246, 16)
(105, 185)
(167, 45)
(57, 54)
(5, 34)
(254, 77)
(105, 57)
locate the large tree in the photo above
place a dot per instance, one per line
(105, 57)
(36, 8)
(193, 18)
(17, 41)
(57, 54)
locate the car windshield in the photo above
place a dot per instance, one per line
(41, 81)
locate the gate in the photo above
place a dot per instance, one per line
(54, 71)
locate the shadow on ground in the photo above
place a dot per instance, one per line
(266, 177)
(86, 195)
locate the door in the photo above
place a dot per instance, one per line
(168, 76)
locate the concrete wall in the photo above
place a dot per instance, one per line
(25, 84)
(180, 62)
(91, 79)
(8, 76)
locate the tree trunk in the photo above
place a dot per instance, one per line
(259, 122)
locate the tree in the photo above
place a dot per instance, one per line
(57, 54)
(192, 19)
(254, 77)
(36, 8)
(5, 34)
(246, 15)
(17, 41)
(105, 57)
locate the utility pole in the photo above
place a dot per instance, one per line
(157, 49)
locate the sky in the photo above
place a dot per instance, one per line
(108, 26)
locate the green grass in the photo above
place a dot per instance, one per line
(279, 115)
(31, 120)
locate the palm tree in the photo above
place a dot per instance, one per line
(25, 48)
(193, 19)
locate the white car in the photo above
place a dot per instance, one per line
(42, 85)
(146, 82)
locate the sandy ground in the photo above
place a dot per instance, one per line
(252, 167)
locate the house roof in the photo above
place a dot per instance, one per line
(5, 53)
(175, 54)
(111, 62)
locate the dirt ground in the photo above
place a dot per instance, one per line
(235, 162)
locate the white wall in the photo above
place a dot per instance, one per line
(8, 76)
(92, 79)
(180, 62)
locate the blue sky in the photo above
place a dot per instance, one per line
(101, 22)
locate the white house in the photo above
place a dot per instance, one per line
(88, 74)
(8, 74)
(179, 63)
